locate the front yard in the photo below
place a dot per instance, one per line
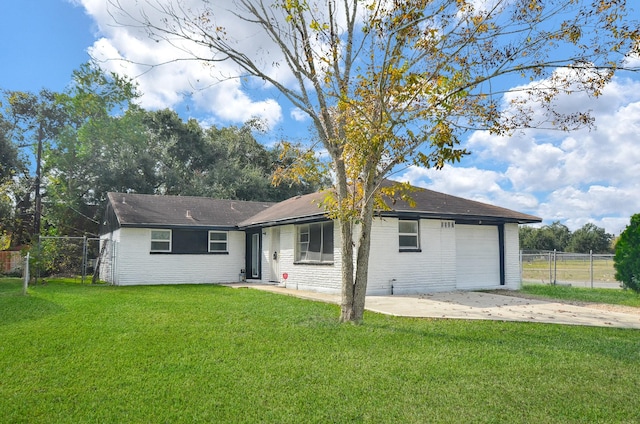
(80, 353)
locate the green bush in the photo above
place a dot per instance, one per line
(627, 257)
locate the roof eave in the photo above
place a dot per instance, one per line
(285, 221)
(461, 217)
(179, 226)
(400, 214)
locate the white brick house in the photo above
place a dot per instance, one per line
(443, 243)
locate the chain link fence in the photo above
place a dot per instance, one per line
(72, 257)
(577, 269)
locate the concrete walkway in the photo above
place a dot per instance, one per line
(477, 305)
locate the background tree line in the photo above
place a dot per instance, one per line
(93, 138)
(557, 236)
(590, 237)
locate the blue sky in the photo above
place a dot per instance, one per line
(42, 42)
(584, 176)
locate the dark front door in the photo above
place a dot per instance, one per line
(254, 250)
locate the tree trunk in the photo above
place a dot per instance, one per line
(347, 307)
(362, 261)
(347, 310)
(353, 304)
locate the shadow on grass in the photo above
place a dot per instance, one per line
(549, 341)
(10, 286)
(15, 307)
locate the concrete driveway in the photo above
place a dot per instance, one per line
(486, 306)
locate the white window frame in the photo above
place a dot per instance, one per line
(214, 242)
(413, 234)
(157, 239)
(303, 240)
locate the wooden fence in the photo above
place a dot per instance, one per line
(10, 261)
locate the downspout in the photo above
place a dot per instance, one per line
(502, 254)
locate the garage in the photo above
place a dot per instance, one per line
(477, 256)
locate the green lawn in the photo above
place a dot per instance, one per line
(616, 297)
(79, 353)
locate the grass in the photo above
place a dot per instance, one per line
(79, 353)
(614, 297)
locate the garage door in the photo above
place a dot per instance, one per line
(477, 257)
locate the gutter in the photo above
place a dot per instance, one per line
(285, 221)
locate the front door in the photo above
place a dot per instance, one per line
(253, 261)
(275, 255)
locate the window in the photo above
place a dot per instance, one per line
(180, 241)
(161, 240)
(189, 241)
(408, 235)
(217, 241)
(315, 243)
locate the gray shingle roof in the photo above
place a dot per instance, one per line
(429, 203)
(295, 208)
(433, 203)
(145, 210)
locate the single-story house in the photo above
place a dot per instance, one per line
(442, 243)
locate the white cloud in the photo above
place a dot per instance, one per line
(213, 88)
(632, 60)
(606, 206)
(465, 181)
(298, 115)
(578, 177)
(472, 183)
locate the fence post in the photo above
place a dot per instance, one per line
(84, 258)
(591, 266)
(555, 268)
(521, 267)
(550, 273)
(25, 283)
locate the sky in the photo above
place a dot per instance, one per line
(586, 176)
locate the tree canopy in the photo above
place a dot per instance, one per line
(557, 236)
(627, 257)
(590, 238)
(30, 121)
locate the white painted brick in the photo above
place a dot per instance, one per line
(431, 269)
(321, 278)
(512, 257)
(136, 266)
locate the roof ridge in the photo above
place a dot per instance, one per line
(180, 196)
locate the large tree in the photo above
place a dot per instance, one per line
(31, 121)
(550, 237)
(627, 258)
(10, 166)
(557, 236)
(590, 238)
(108, 143)
(100, 145)
(220, 162)
(10, 163)
(391, 83)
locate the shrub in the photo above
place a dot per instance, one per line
(627, 257)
